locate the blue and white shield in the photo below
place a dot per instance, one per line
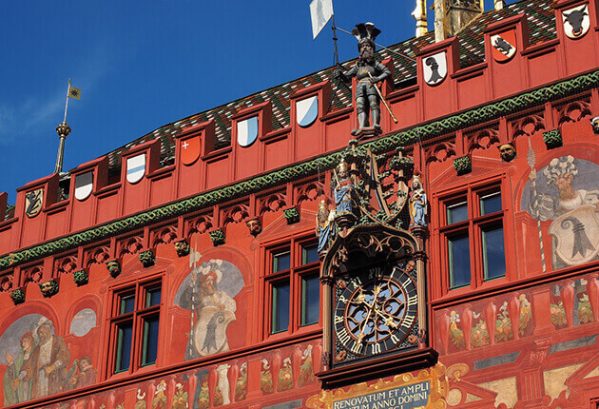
(307, 111)
(84, 184)
(247, 131)
(136, 168)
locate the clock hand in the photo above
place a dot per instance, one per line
(361, 334)
(389, 319)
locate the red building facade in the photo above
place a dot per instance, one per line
(182, 270)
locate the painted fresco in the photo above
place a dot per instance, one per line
(37, 362)
(209, 292)
(235, 383)
(565, 194)
(546, 332)
(83, 322)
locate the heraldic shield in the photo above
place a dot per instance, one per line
(210, 335)
(576, 235)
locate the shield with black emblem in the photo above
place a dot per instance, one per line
(576, 235)
(33, 202)
(576, 21)
(504, 45)
(435, 68)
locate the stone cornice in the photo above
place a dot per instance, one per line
(419, 133)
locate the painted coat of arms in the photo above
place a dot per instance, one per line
(33, 202)
(566, 192)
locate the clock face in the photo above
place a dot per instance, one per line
(375, 312)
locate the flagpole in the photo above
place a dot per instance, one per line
(336, 49)
(63, 130)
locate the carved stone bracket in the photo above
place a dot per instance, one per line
(254, 226)
(18, 295)
(553, 139)
(463, 165)
(182, 247)
(114, 267)
(291, 214)
(147, 258)
(217, 236)
(49, 288)
(81, 277)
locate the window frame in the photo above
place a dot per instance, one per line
(294, 275)
(473, 226)
(137, 318)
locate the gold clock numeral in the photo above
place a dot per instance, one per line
(395, 339)
(338, 319)
(357, 347)
(413, 300)
(343, 299)
(408, 321)
(356, 283)
(375, 348)
(343, 336)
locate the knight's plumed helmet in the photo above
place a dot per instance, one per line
(365, 32)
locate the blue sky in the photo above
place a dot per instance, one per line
(142, 64)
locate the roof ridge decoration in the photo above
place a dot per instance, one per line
(419, 133)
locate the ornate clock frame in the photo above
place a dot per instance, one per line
(380, 247)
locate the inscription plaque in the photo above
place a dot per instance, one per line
(414, 396)
(426, 389)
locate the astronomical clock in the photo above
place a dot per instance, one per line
(373, 270)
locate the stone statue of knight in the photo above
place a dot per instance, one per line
(368, 72)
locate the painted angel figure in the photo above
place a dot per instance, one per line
(418, 202)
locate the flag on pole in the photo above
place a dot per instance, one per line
(321, 12)
(74, 92)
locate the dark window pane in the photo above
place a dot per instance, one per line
(493, 252)
(123, 346)
(459, 260)
(310, 300)
(490, 203)
(150, 341)
(153, 296)
(457, 213)
(127, 303)
(309, 254)
(281, 261)
(280, 307)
